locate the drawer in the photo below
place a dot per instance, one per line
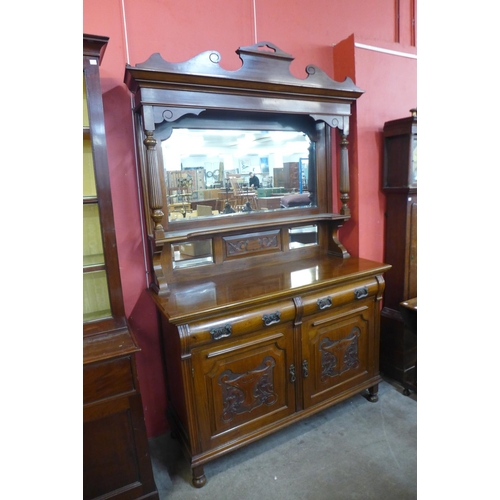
(240, 323)
(107, 379)
(331, 297)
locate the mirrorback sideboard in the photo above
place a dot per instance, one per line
(265, 316)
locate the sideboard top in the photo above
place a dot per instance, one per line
(220, 293)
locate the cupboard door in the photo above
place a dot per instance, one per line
(243, 385)
(116, 461)
(337, 349)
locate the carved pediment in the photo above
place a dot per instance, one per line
(263, 63)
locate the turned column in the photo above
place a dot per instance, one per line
(344, 187)
(155, 192)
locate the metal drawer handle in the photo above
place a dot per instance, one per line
(361, 293)
(221, 332)
(270, 319)
(325, 303)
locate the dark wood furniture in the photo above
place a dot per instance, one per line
(116, 462)
(288, 176)
(408, 310)
(398, 349)
(269, 202)
(265, 317)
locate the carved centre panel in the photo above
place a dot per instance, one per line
(243, 246)
(339, 356)
(242, 392)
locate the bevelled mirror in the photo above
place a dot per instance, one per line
(220, 167)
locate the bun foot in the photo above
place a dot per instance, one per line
(372, 395)
(199, 478)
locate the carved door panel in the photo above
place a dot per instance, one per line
(336, 348)
(243, 385)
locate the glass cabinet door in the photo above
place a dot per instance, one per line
(102, 295)
(96, 304)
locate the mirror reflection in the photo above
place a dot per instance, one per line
(192, 253)
(303, 236)
(213, 172)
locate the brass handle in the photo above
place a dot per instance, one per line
(221, 332)
(325, 303)
(292, 374)
(270, 319)
(305, 368)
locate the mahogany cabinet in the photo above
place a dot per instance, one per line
(287, 176)
(399, 347)
(238, 371)
(116, 461)
(265, 316)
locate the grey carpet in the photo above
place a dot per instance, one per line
(356, 450)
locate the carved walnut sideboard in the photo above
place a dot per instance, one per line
(265, 316)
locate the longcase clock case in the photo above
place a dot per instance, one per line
(398, 353)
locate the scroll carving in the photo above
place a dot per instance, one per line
(336, 247)
(264, 54)
(339, 356)
(170, 114)
(252, 244)
(243, 392)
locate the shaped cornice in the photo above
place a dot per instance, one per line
(264, 67)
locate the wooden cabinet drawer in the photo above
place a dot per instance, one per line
(240, 323)
(107, 379)
(332, 297)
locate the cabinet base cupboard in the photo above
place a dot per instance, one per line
(265, 316)
(241, 369)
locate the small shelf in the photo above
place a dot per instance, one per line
(196, 232)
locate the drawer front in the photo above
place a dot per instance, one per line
(338, 349)
(243, 385)
(107, 379)
(330, 298)
(219, 328)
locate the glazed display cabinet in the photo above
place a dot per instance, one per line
(116, 461)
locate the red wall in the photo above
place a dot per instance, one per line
(326, 33)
